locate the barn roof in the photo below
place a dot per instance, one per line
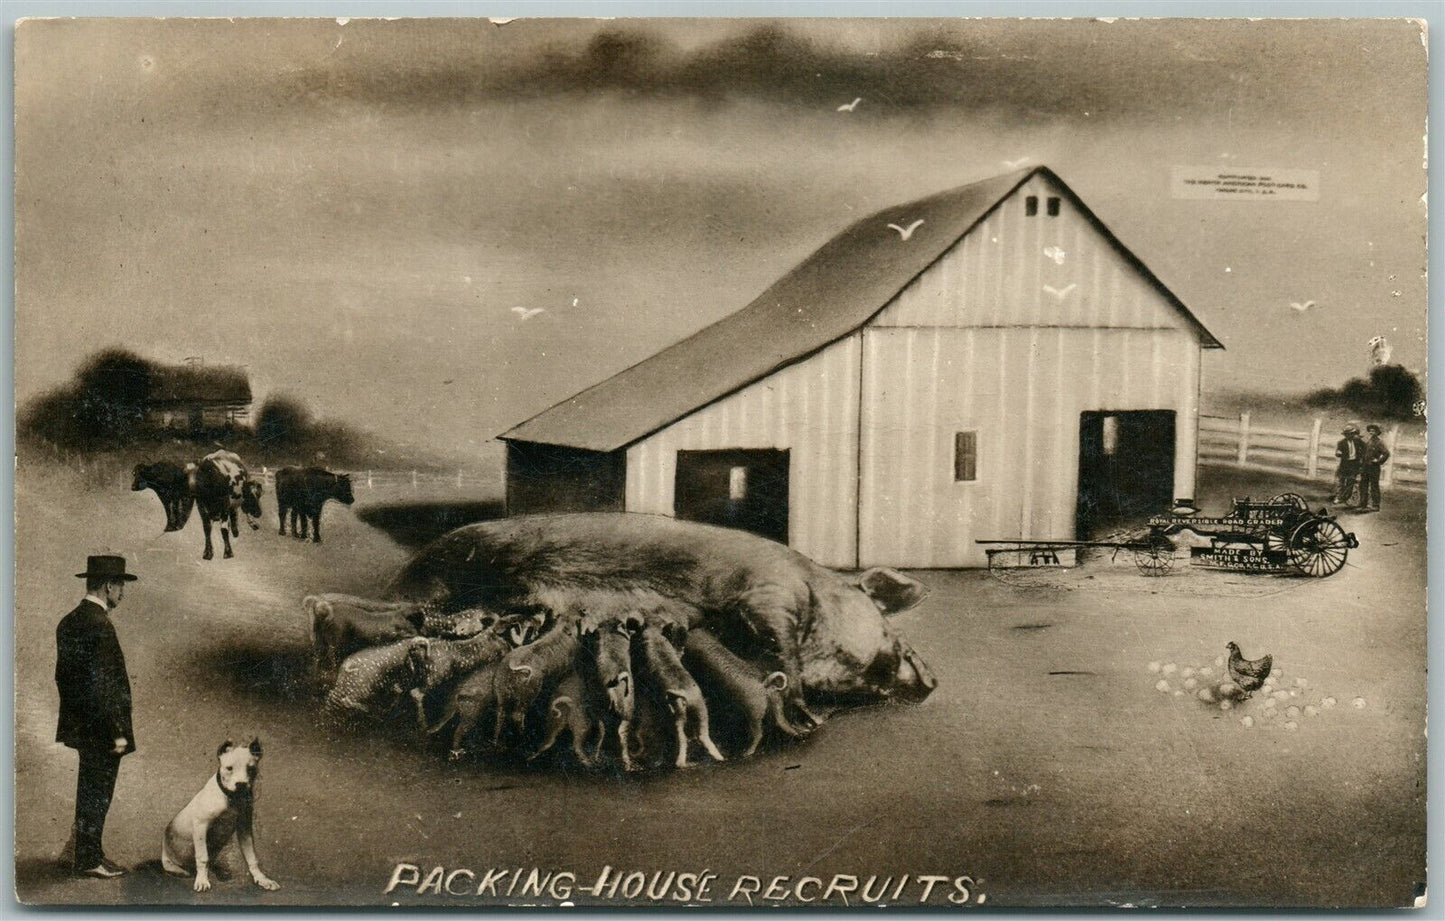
(830, 294)
(189, 384)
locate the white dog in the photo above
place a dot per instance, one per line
(223, 808)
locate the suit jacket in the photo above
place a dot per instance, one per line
(1376, 454)
(1350, 451)
(94, 688)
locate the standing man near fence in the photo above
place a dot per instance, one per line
(1350, 450)
(94, 706)
(1375, 456)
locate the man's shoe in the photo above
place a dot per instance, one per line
(112, 865)
(101, 871)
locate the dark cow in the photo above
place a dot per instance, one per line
(222, 487)
(172, 486)
(302, 491)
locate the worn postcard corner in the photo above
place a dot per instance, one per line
(996, 445)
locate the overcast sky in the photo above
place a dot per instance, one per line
(353, 210)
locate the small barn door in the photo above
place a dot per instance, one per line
(1126, 468)
(744, 489)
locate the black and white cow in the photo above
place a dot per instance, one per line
(302, 491)
(222, 487)
(172, 484)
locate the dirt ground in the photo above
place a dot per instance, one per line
(1046, 766)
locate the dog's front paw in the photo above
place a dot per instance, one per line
(203, 883)
(265, 882)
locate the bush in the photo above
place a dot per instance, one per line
(1390, 392)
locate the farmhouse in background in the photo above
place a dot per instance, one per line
(195, 398)
(988, 362)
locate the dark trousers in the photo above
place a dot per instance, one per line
(1345, 480)
(1370, 486)
(93, 790)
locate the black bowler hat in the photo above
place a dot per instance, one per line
(105, 567)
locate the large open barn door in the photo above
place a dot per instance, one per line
(1126, 468)
(744, 489)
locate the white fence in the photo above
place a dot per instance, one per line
(1311, 453)
(414, 479)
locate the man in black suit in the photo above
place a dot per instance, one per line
(94, 706)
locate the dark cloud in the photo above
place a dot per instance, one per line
(1048, 69)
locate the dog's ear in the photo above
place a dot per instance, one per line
(256, 747)
(225, 747)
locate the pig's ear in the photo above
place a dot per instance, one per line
(675, 633)
(891, 590)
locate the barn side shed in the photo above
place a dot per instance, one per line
(1005, 368)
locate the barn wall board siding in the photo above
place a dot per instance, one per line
(809, 408)
(1019, 390)
(995, 276)
(1026, 323)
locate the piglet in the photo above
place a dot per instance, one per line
(669, 683)
(755, 695)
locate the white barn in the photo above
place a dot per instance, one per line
(1007, 369)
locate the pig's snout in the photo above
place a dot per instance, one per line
(915, 679)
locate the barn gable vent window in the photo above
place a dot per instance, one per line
(1031, 205)
(1053, 206)
(965, 457)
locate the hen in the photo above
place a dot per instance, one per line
(1249, 674)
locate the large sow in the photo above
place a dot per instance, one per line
(826, 632)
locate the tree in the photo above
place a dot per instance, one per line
(1391, 392)
(112, 389)
(282, 422)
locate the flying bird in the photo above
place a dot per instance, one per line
(1059, 293)
(1249, 674)
(1301, 307)
(526, 314)
(907, 232)
(850, 106)
(1015, 164)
